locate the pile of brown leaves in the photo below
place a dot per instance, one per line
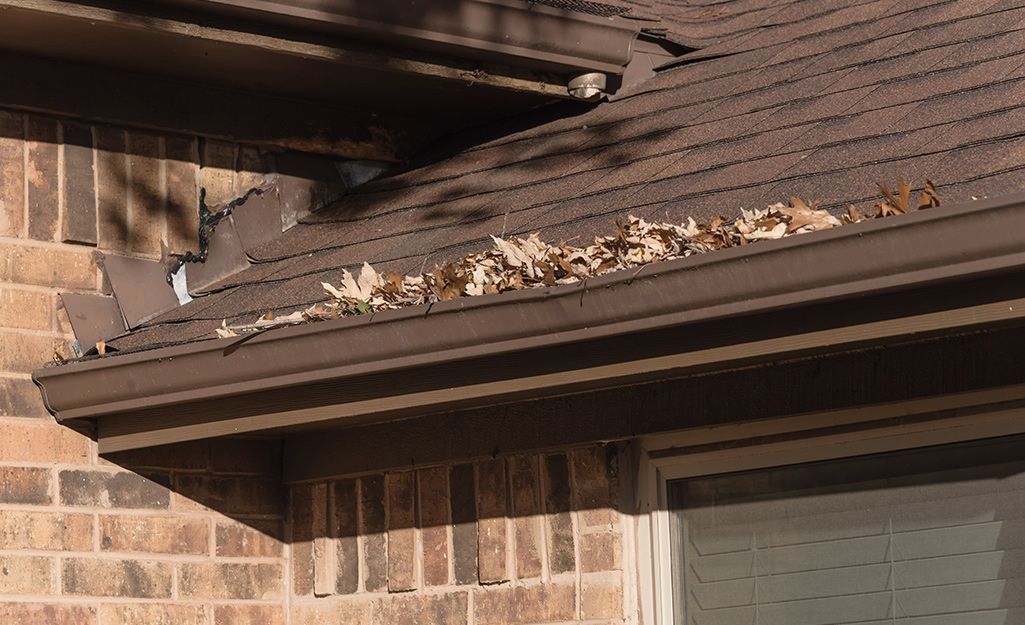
(519, 263)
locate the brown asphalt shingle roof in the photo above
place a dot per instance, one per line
(817, 99)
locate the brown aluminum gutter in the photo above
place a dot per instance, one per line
(618, 329)
(515, 31)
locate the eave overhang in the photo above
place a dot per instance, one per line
(938, 272)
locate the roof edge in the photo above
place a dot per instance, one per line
(934, 247)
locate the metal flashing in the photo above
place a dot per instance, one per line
(945, 270)
(93, 317)
(225, 256)
(140, 287)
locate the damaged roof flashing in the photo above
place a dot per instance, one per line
(950, 269)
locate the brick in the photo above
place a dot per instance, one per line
(401, 490)
(13, 613)
(41, 266)
(230, 495)
(103, 489)
(22, 353)
(28, 310)
(215, 580)
(324, 572)
(145, 193)
(446, 609)
(601, 599)
(151, 534)
(463, 495)
(342, 613)
(20, 398)
(491, 511)
(561, 558)
(26, 575)
(252, 539)
(46, 531)
(301, 509)
(248, 615)
(372, 528)
(61, 321)
(43, 443)
(117, 578)
(43, 208)
(12, 174)
(434, 523)
(182, 172)
(247, 456)
(152, 614)
(345, 530)
(111, 187)
(505, 605)
(600, 551)
(594, 474)
(79, 201)
(218, 171)
(24, 485)
(526, 513)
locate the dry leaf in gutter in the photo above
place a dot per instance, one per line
(520, 263)
(929, 198)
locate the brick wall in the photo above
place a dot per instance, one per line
(196, 534)
(178, 536)
(523, 539)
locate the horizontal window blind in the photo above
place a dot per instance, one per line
(931, 537)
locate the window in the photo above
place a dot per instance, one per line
(932, 536)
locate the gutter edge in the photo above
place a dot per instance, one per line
(617, 304)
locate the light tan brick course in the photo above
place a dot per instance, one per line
(26, 575)
(47, 266)
(23, 353)
(12, 174)
(238, 539)
(152, 534)
(504, 605)
(117, 578)
(341, 613)
(152, 614)
(230, 580)
(600, 551)
(446, 609)
(27, 485)
(19, 397)
(250, 615)
(14, 613)
(601, 599)
(43, 443)
(68, 531)
(21, 308)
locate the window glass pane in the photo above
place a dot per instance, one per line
(933, 536)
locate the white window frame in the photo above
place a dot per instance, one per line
(663, 458)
